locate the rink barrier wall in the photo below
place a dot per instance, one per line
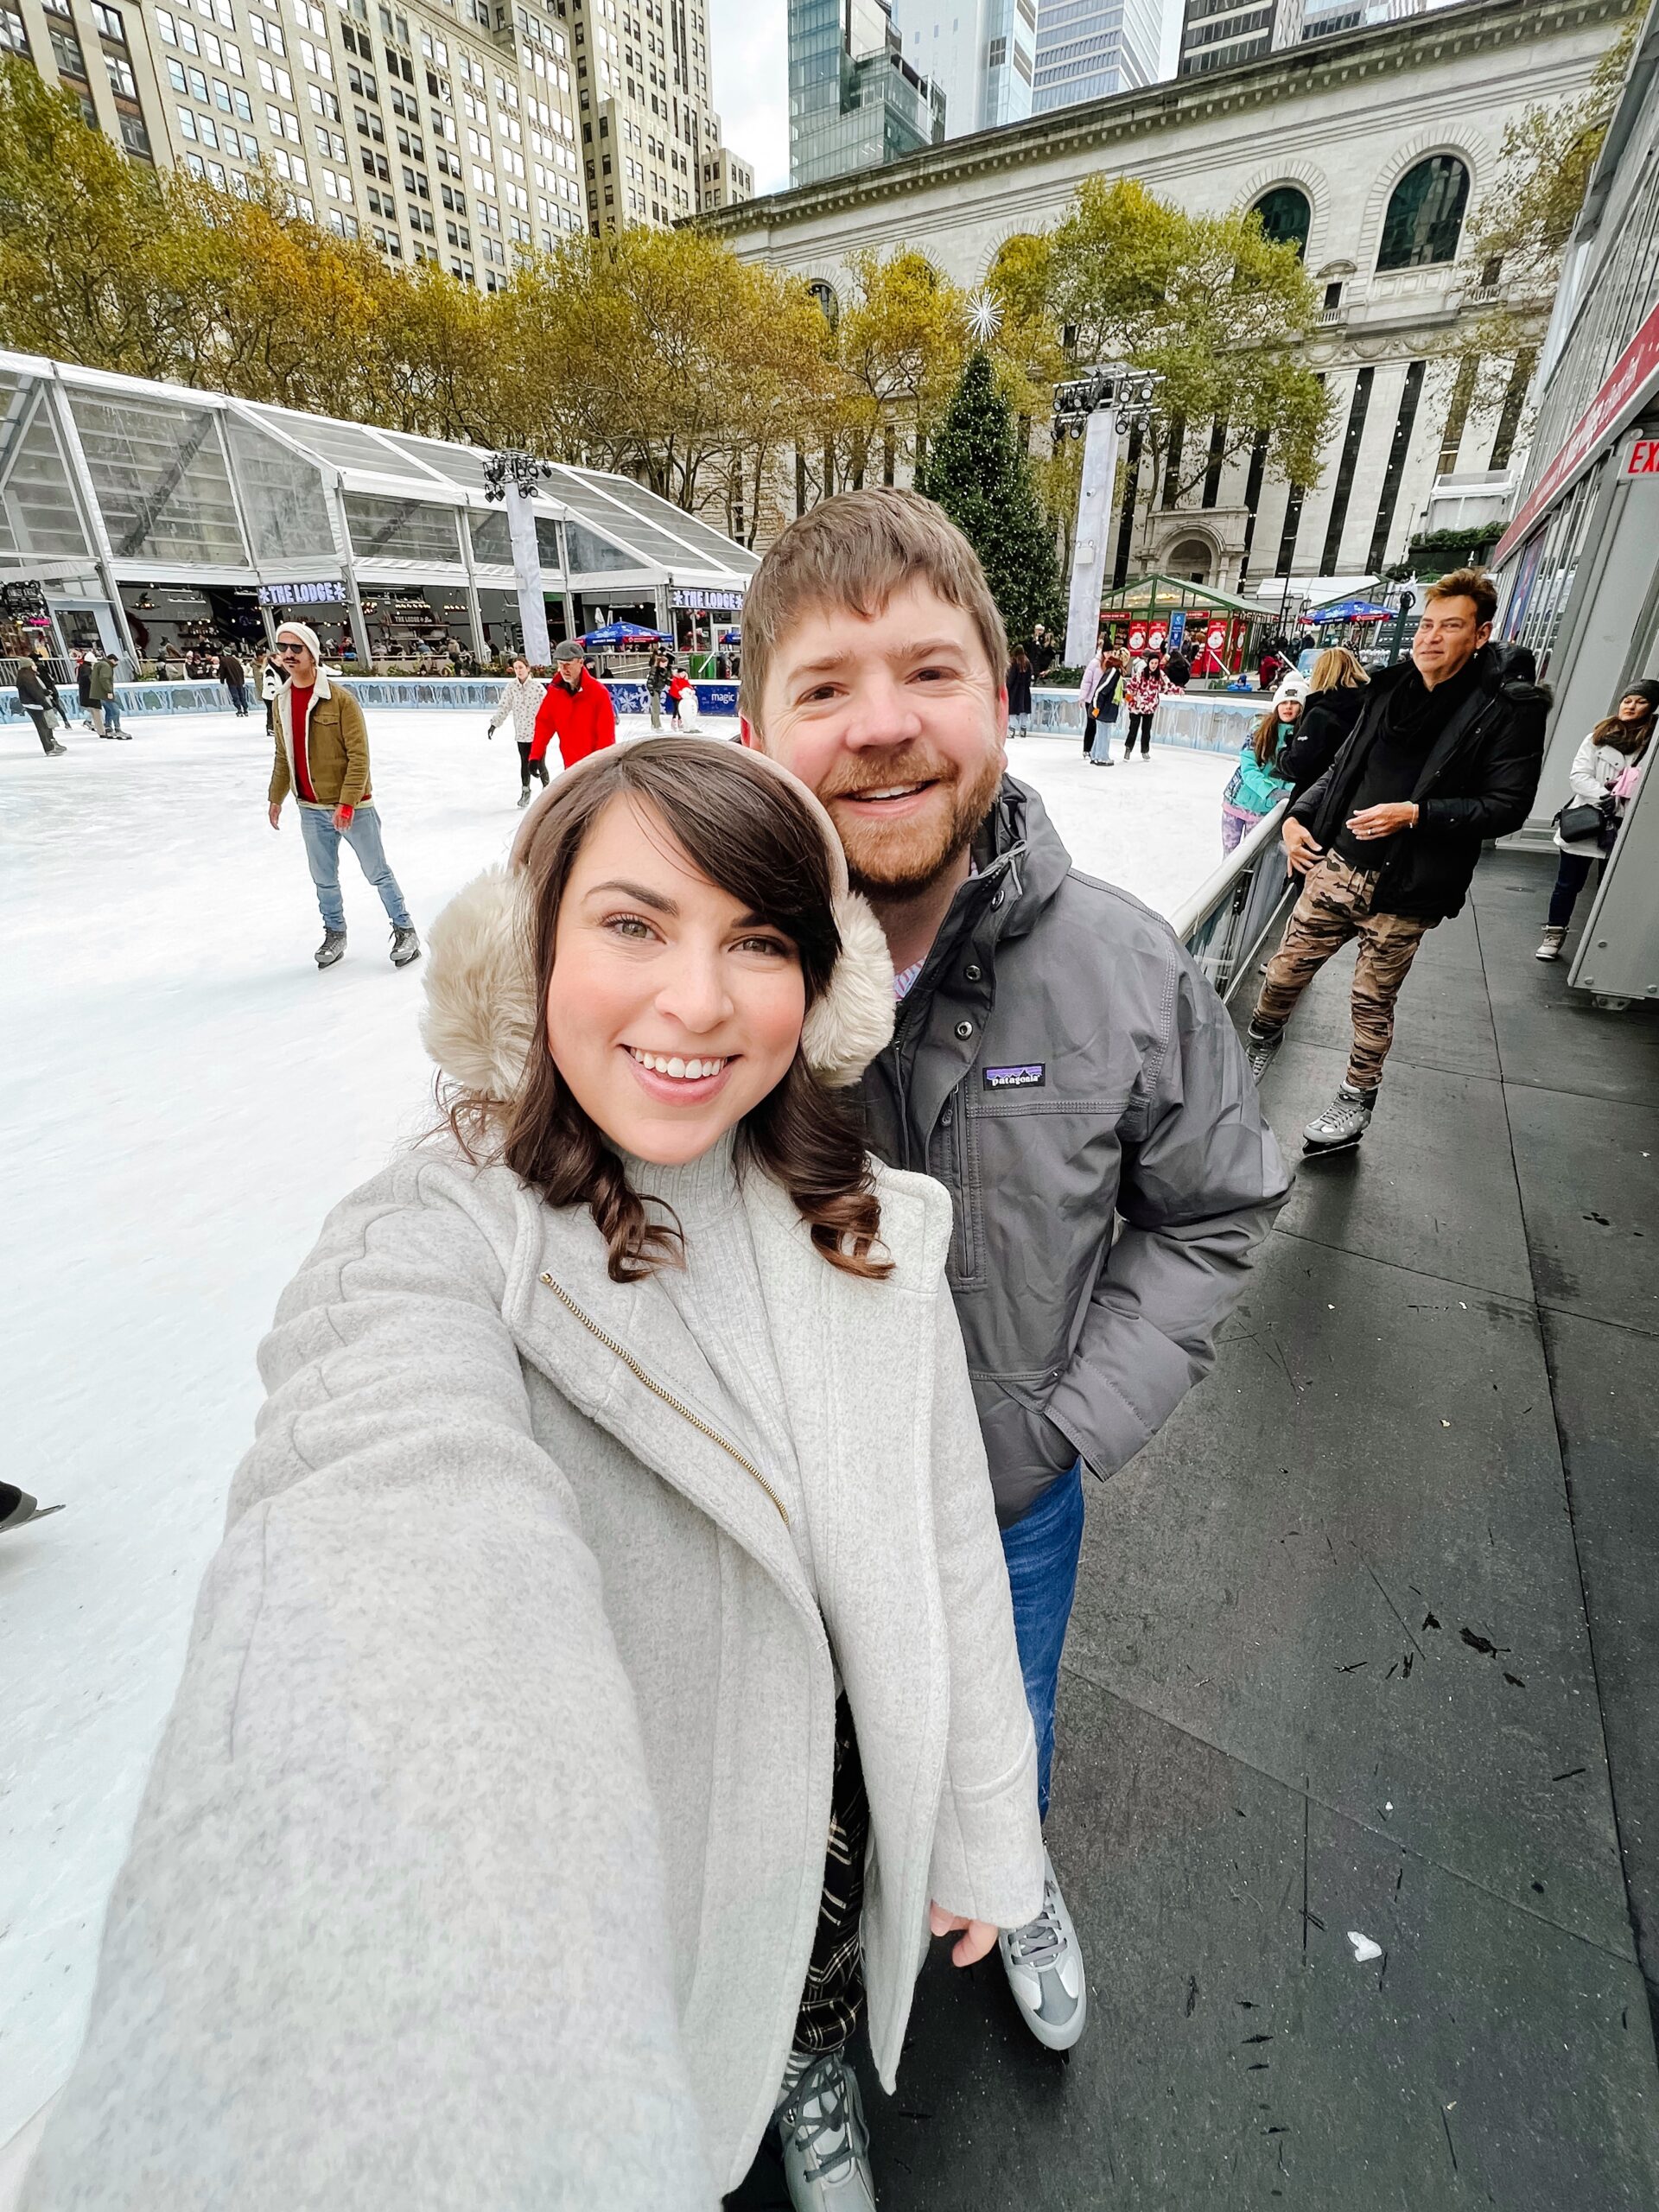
(1203, 721)
(472, 694)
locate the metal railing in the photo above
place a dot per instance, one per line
(1229, 917)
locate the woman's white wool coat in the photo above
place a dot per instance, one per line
(1595, 770)
(481, 1860)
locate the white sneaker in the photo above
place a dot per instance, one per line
(1044, 1969)
(826, 2143)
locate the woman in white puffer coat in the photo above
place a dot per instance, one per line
(519, 699)
(1605, 772)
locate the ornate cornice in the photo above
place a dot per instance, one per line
(1320, 67)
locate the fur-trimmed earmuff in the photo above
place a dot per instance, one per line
(481, 1018)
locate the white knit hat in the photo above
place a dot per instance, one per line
(305, 633)
(1293, 687)
(481, 1017)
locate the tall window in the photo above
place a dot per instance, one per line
(1286, 216)
(1425, 216)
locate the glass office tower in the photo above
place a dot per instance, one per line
(855, 102)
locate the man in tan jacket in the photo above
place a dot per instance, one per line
(322, 756)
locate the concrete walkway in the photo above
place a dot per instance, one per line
(1367, 1640)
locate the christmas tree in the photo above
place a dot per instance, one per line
(977, 472)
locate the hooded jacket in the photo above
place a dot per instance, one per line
(1060, 1065)
(1327, 719)
(1477, 781)
(584, 720)
(482, 1858)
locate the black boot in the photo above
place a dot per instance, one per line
(332, 947)
(16, 1506)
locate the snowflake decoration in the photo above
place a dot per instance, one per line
(984, 316)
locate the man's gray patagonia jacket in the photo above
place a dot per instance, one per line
(1060, 1061)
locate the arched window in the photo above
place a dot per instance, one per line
(1425, 216)
(1286, 216)
(1190, 560)
(825, 295)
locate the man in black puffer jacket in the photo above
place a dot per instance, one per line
(1446, 752)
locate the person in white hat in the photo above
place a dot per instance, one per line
(1259, 782)
(322, 758)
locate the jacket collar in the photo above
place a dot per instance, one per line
(321, 689)
(622, 1354)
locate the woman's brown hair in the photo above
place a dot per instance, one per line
(1266, 742)
(1631, 738)
(739, 824)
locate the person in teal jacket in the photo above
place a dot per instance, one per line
(1256, 786)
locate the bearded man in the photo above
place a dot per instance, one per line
(1059, 1064)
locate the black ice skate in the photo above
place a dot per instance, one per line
(405, 947)
(332, 948)
(16, 1506)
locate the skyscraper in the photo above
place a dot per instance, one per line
(981, 54)
(467, 132)
(854, 101)
(1216, 33)
(1087, 49)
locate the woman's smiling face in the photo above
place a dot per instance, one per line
(671, 1010)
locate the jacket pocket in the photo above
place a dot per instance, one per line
(952, 1161)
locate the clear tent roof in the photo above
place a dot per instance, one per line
(643, 532)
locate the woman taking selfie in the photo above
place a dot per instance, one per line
(617, 1537)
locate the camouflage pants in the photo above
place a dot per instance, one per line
(1334, 905)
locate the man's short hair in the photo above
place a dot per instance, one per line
(1466, 583)
(850, 554)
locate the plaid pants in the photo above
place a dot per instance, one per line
(1334, 905)
(834, 1997)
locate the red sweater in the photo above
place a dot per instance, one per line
(584, 722)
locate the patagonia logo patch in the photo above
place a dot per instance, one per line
(1027, 1076)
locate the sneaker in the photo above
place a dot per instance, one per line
(332, 948)
(1044, 1969)
(1260, 1045)
(826, 2143)
(1551, 947)
(1344, 1121)
(405, 947)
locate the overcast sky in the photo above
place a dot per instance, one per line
(750, 39)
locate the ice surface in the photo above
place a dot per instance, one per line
(183, 1097)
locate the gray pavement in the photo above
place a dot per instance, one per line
(1367, 1640)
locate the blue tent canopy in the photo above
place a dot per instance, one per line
(621, 633)
(1351, 610)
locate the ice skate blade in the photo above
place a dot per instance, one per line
(1313, 1151)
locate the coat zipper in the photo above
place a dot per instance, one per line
(668, 1399)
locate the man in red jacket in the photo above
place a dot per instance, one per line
(576, 710)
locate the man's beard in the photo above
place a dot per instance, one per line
(903, 859)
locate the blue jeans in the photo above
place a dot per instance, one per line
(1042, 1549)
(322, 852)
(1105, 722)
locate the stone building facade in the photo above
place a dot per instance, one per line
(1376, 147)
(460, 131)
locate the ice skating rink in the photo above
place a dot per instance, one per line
(184, 1098)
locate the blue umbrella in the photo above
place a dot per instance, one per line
(1351, 610)
(621, 633)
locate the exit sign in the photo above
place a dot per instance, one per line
(1643, 458)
